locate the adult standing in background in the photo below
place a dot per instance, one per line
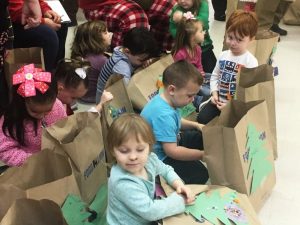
(269, 14)
(220, 9)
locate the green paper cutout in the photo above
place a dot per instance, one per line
(75, 213)
(184, 111)
(212, 207)
(260, 167)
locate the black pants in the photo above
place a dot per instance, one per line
(209, 60)
(207, 113)
(52, 42)
(191, 172)
(219, 7)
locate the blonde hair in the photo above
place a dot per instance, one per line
(88, 39)
(185, 31)
(126, 126)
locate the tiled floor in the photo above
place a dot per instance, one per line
(283, 206)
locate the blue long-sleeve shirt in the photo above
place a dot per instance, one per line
(131, 199)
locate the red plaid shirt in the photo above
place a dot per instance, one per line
(159, 14)
(120, 18)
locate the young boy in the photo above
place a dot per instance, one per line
(181, 82)
(241, 28)
(138, 46)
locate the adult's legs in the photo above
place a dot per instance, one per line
(279, 13)
(41, 36)
(219, 8)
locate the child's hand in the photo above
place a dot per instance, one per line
(220, 105)
(214, 97)
(50, 23)
(177, 16)
(199, 126)
(106, 96)
(53, 16)
(147, 63)
(187, 193)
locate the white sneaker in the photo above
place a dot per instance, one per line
(201, 106)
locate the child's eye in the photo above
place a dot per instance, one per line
(140, 149)
(122, 150)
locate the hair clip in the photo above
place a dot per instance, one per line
(189, 15)
(81, 72)
(31, 78)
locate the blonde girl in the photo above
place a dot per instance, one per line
(132, 180)
(91, 40)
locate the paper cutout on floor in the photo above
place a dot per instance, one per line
(257, 156)
(216, 208)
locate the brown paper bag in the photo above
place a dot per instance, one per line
(113, 109)
(80, 138)
(292, 16)
(8, 194)
(233, 5)
(258, 84)
(29, 212)
(263, 49)
(238, 150)
(243, 203)
(143, 85)
(19, 57)
(45, 175)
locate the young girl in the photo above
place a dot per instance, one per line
(132, 180)
(188, 37)
(91, 41)
(34, 104)
(199, 8)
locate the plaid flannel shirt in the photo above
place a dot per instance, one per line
(120, 18)
(159, 14)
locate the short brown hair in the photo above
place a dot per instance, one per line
(243, 23)
(180, 73)
(126, 126)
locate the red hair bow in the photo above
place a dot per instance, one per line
(31, 78)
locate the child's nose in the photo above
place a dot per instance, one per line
(132, 156)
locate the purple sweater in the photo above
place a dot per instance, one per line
(12, 153)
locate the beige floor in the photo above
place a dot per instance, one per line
(283, 206)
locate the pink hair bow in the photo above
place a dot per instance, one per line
(189, 15)
(31, 78)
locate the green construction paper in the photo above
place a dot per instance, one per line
(212, 207)
(74, 209)
(184, 111)
(259, 167)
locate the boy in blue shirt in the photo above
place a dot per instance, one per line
(181, 150)
(138, 46)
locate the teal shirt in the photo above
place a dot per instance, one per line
(203, 16)
(131, 198)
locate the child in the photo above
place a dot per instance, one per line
(72, 83)
(91, 41)
(188, 37)
(199, 8)
(138, 46)
(181, 82)
(132, 179)
(34, 104)
(241, 28)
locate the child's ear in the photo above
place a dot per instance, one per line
(60, 86)
(171, 89)
(126, 51)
